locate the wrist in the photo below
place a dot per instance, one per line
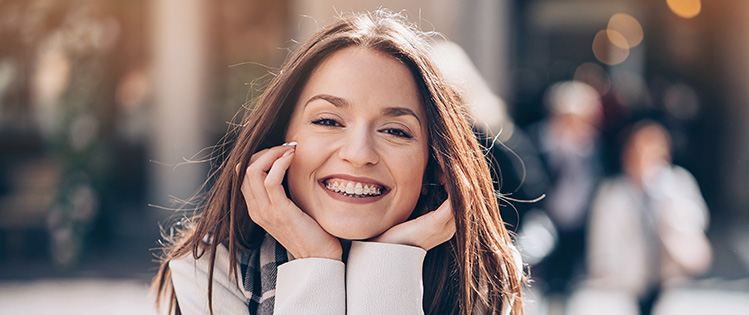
(334, 254)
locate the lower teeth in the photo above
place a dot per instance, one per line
(355, 196)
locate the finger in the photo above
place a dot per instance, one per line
(426, 231)
(260, 153)
(257, 154)
(443, 220)
(275, 177)
(261, 162)
(444, 214)
(450, 229)
(264, 159)
(248, 194)
(257, 173)
(253, 185)
(253, 158)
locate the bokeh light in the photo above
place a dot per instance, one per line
(595, 76)
(627, 26)
(610, 47)
(685, 8)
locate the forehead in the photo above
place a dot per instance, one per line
(367, 76)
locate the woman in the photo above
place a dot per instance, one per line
(379, 178)
(648, 223)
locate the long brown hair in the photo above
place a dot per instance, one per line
(475, 270)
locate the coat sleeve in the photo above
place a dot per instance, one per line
(683, 218)
(311, 286)
(190, 281)
(384, 278)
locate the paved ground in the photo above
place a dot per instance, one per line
(107, 296)
(112, 282)
(75, 296)
(676, 301)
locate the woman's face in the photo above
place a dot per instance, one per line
(646, 150)
(362, 144)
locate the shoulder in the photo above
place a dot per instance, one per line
(189, 263)
(190, 278)
(610, 186)
(615, 197)
(683, 175)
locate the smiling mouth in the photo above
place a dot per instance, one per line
(353, 189)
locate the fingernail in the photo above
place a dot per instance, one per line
(287, 153)
(289, 144)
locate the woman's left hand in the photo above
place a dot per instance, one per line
(426, 231)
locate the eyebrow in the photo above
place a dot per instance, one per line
(340, 102)
(400, 111)
(335, 100)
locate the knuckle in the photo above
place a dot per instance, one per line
(253, 167)
(269, 182)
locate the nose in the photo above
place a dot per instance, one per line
(358, 148)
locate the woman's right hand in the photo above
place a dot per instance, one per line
(271, 209)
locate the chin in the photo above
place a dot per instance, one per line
(351, 232)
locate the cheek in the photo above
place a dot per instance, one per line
(302, 159)
(300, 167)
(308, 158)
(410, 178)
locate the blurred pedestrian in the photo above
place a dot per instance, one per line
(647, 224)
(569, 143)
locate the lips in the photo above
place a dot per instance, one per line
(353, 187)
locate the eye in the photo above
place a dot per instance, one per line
(400, 133)
(326, 122)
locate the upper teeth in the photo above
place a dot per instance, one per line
(353, 188)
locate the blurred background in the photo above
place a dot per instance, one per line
(107, 108)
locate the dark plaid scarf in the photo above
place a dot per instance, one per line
(259, 268)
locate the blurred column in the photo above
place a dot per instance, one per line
(485, 35)
(734, 54)
(179, 64)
